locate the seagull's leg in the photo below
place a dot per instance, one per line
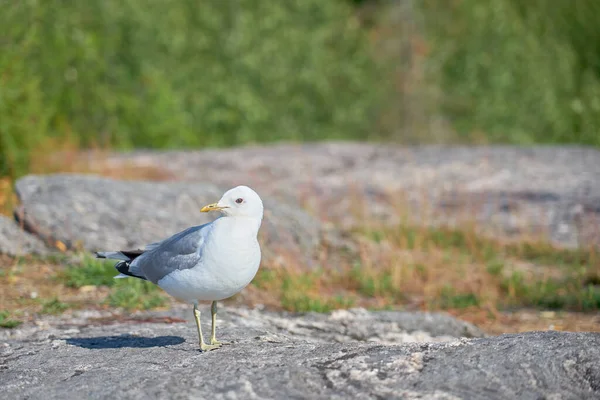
(213, 337)
(203, 346)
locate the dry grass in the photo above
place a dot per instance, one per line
(431, 269)
(8, 199)
(27, 284)
(502, 286)
(30, 286)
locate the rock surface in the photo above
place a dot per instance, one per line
(514, 191)
(104, 214)
(281, 356)
(14, 241)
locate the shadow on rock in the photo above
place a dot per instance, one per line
(117, 342)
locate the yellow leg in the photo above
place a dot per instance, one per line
(203, 346)
(213, 337)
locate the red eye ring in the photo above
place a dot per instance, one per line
(239, 201)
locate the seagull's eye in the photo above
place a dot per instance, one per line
(239, 201)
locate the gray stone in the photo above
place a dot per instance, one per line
(268, 358)
(103, 214)
(16, 242)
(515, 191)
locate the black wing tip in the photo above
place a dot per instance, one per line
(118, 255)
(123, 268)
(132, 254)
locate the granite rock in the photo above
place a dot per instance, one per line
(267, 359)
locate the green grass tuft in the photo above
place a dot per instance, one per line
(7, 322)
(53, 306)
(495, 267)
(91, 271)
(449, 298)
(130, 293)
(133, 294)
(555, 294)
(264, 278)
(299, 302)
(370, 284)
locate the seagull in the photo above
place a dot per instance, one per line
(209, 262)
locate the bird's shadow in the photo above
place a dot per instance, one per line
(122, 341)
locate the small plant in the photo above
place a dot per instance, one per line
(341, 301)
(53, 306)
(495, 267)
(591, 298)
(7, 322)
(91, 271)
(449, 298)
(375, 282)
(264, 278)
(299, 302)
(132, 294)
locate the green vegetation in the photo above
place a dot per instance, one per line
(296, 293)
(183, 74)
(180, 74)
(484, 249)
(450, 299)
(551, 278)
(302, 292)
(7, 322)
(442, 268)
(454, 269)
(126, 293)
(403, 267)
(517, 71)
(136, 294)
(380, 284)
(568, 292)
(91, 271)
(53, 306)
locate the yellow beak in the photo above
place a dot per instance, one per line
(211, 207)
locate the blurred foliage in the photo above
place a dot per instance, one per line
(517, 71)
(183, 73)
(180, 73)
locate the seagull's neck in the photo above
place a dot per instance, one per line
(240, 226)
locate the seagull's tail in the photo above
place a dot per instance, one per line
(113, 255)
(124, 265)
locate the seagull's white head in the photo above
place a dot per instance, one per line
(241, 201)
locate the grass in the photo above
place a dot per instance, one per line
(300, 293)
(406, 267)
(91, 271)
(371, 285)
(53, 306)
(132, 294)
(32, 286)
(441, 268)
(450, 299)
(129, 294)
(7, 322)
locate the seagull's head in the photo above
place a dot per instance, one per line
(241, 201)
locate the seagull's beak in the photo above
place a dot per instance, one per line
(212, 207)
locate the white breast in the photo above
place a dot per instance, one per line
(230, 259)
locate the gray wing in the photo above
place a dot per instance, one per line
(181, 251)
